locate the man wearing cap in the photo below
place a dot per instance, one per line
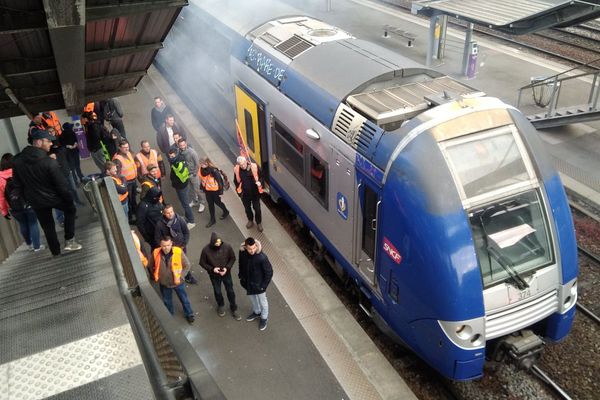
(39, 179)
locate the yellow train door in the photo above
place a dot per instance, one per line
(250, 117)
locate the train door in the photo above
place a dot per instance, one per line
(251, 119)
(369, 201)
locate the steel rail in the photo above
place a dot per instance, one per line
(546, 379)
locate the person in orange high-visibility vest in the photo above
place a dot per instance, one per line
(50, 120)
(138, 247)
(248, 186)
(211, 182)
(110, 169)
(169, 265)
(148, 156)
(129, 172)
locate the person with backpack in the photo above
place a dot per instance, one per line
(113, 113)
(212, 184)
(12, 204)
(180, 179)
(39, 180)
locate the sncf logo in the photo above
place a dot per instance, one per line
(391, 251)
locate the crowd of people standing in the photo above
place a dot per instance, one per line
(43, 179)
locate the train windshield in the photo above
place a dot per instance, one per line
(511, 239)
(486, 163)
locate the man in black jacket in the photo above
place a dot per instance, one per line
(39, 179)
(149, 212)
(159, 113)
(93, 135)
(255, 275)
(113, 113)
(217, 259)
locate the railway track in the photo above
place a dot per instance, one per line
(541, 375)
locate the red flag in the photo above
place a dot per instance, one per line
(244, 151)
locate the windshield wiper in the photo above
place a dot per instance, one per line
(508, 266)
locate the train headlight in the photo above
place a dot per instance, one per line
(469, 334)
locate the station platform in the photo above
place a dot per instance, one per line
(312, 348)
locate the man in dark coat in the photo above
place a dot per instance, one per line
(39, 179)
(217, 259)
(68, 139)
(149, 212)
(113, 113)
(164, 136)
(159, 113)
(255, 275)
(93, 135)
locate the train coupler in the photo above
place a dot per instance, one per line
(524, 347)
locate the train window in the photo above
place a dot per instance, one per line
(487, 162)
(289, 150)
(249, 129)
(511, 238)
(318, 180)
(369, 227)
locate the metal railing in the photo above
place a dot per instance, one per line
(174, 369)
(546, 91)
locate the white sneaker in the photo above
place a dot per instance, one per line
(72, 245)
(191, 225)
(42, 247)
(201, 208)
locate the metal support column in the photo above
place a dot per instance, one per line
(442, 40)
(328, 3)
(66, 28)
(431, 40)
(468, 40)
(10, 134)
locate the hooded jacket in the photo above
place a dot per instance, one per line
(178, 231)
(149, 212)
(217, 256)
(255, 270)
(40, 179)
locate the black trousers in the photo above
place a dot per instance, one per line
(132, 193)
(228, 283)
(251, 202)
(118, 125)
(213, 198)
(44, 215)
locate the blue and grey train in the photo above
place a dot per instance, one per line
(438, 202)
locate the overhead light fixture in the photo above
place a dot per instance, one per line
(311, 133)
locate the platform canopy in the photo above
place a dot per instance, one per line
(57, 54)
(513, 16)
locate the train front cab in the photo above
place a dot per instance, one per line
(482, 225)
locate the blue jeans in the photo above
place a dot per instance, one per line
(167, 295)
(260, 304)
(28, 225)
(184, 199)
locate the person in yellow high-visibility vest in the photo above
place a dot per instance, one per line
(169, 265)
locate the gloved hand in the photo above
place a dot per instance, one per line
(7, 217)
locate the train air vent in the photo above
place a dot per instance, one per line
(271, 39)
(294, 46)
(347, 125)
(365, 136)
